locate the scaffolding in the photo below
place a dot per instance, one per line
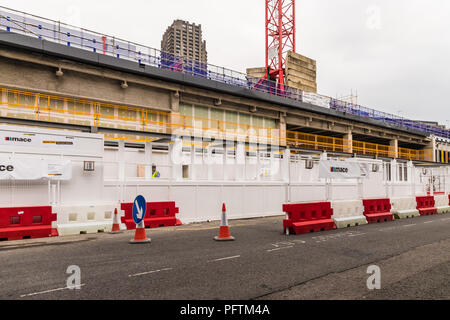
(55, 31)
(55, 109)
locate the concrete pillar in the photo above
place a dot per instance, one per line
(175, 126)
(394, 148)
(175, 102)
(4, 98)
(431, 148)
(348, 142)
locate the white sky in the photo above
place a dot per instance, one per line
(394, 53)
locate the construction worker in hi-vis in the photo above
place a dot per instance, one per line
(155, 173)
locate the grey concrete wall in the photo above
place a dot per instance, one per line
(28, 76)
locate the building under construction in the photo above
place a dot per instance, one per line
(100, 115)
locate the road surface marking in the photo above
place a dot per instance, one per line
(357, 235)
(149, 272)
(227, 258)
(270, 250)
(429, 222)
(410, 225)
(47, 291)
(445, 219)
(387, 229)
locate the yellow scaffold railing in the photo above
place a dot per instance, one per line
(43, 107)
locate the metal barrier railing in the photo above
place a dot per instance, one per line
(388, 118)
(36, 106)
(55, 31)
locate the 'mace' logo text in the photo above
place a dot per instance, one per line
(339, 170)
(12, 139)
(8, 168)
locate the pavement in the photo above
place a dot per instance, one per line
(186, 263)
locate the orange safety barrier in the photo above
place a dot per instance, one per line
(159, 214)
(426, 205)
(308, 217)
(44, 107)
(26, 223)
(378, 210)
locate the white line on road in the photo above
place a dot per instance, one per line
(429, 222)
(410, 225)
(47, 291)
(276, 249)
(357, 235)
(387, 229)
(227, 258)
(445, 219)
(149, 272)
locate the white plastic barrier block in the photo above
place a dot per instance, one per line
(404, 208)
(441, 203)
(348, 213)
(73, 220)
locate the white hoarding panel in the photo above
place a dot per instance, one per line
(329, 169)
(34, 169)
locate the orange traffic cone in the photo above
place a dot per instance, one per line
(224, 233)
(116, 223)
(140, 235)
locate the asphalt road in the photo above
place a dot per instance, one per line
(186, 263)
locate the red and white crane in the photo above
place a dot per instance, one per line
(280, 38)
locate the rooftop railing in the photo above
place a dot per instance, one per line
(56, 31)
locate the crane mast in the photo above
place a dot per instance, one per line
(280, 38)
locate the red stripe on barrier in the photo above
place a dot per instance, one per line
(426, 205)
(377, 210)
(308, 217)
(26, 223)
(159, 214)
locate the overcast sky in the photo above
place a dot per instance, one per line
(394, 53)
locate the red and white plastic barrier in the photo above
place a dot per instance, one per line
(377, 210)
(73, 220)
(159, 214)
(425, 205)
(348, 213)
(26, 223)
(308, 217)
(442, 203)
(404, 208)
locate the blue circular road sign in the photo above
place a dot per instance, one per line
(139, 209)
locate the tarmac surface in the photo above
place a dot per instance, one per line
(186, 263)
